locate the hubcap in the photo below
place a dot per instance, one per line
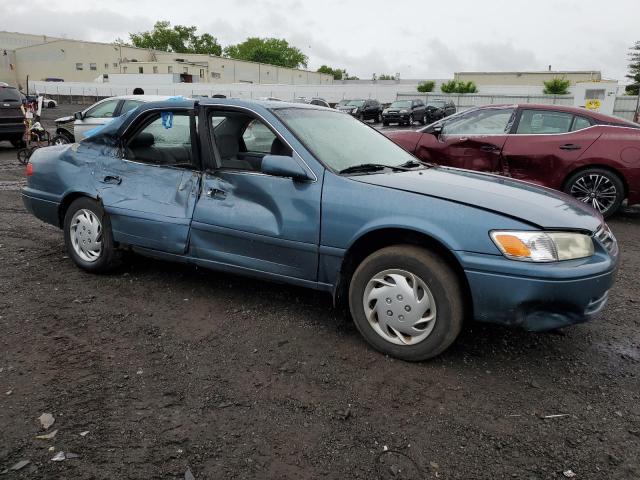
(596, 190)
(86, 235)
(399, 307)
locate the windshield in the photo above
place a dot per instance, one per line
(436, 104)
(10, 95)
(356, 103)
(401, 104)
(343, 102)
(339, 141)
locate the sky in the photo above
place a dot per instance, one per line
(417, 38)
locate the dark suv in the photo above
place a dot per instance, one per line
(363, 109)
(11, 117)
(404, 112)
(437, 109)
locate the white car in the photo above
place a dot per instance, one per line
(99, 114)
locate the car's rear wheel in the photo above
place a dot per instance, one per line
(51, 105)
(600, 188)
(88, 237)
(407, 302)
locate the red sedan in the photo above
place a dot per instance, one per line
(594, 157)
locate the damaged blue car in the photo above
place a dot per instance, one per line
(308, 196)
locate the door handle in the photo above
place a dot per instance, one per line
(570, 146)
(216, 193)
(489, 148)
(112, 179)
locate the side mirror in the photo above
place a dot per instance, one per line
(78, 116)
(283, 166)
(436, 130)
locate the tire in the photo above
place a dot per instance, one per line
(386, 124)
(51, 105)
(598, 187)
(379, 118)
(23, 155)
(443, 295)
(423, 120)
(411, 120)
(107, 257)
(60, 140)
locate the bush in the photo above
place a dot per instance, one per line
(557, 86)
(455, 86)
(426, 87)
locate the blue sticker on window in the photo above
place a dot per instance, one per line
(167, 119)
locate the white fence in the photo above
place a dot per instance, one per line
(625, 106)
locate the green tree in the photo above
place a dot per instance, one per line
(274, 51)
(557, 86)
(384, 76)
(426, 86)
(336, 72)
(178, 39)
(455, 86)
(634, 70)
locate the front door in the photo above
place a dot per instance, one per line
(97, 115)
(472, 140)
(150, 193)
(247, 219)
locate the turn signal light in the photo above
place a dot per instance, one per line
(512, 245)
(29, 170)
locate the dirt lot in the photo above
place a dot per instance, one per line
(170, 368)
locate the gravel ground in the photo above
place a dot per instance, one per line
(169, 368)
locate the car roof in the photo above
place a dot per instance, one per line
(568, 109)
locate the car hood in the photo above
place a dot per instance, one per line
(538, 206)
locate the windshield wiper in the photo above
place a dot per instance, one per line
(372, 167)
(416, 163)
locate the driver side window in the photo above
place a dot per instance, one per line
(242, 141)
(480, 122)
(102, 110)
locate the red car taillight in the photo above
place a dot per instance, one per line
(29, 170)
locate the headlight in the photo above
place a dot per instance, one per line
(403, 111)
(543, 246)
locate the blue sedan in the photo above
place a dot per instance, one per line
(308, 196)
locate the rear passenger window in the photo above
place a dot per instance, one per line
(580, 123)
(165, 140)
(542, 121)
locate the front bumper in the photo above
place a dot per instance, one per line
(539, 297)
(11, 130)
(404, 117)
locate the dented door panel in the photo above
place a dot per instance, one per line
(150, 206)
(259, 222)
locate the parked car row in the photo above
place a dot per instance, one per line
(402, 112)
(12, 118)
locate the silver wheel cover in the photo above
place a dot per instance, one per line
(596, 190)
(399, 307)
(85, 233)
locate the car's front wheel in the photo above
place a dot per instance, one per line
(423, 120)
(87, 236)
(407, 302)
(600, 188)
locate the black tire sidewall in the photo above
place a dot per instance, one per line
(615, 179)
(444, 286)
(106, 260)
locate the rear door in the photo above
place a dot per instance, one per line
(150, 189)
(545, 144)
(471, 140)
